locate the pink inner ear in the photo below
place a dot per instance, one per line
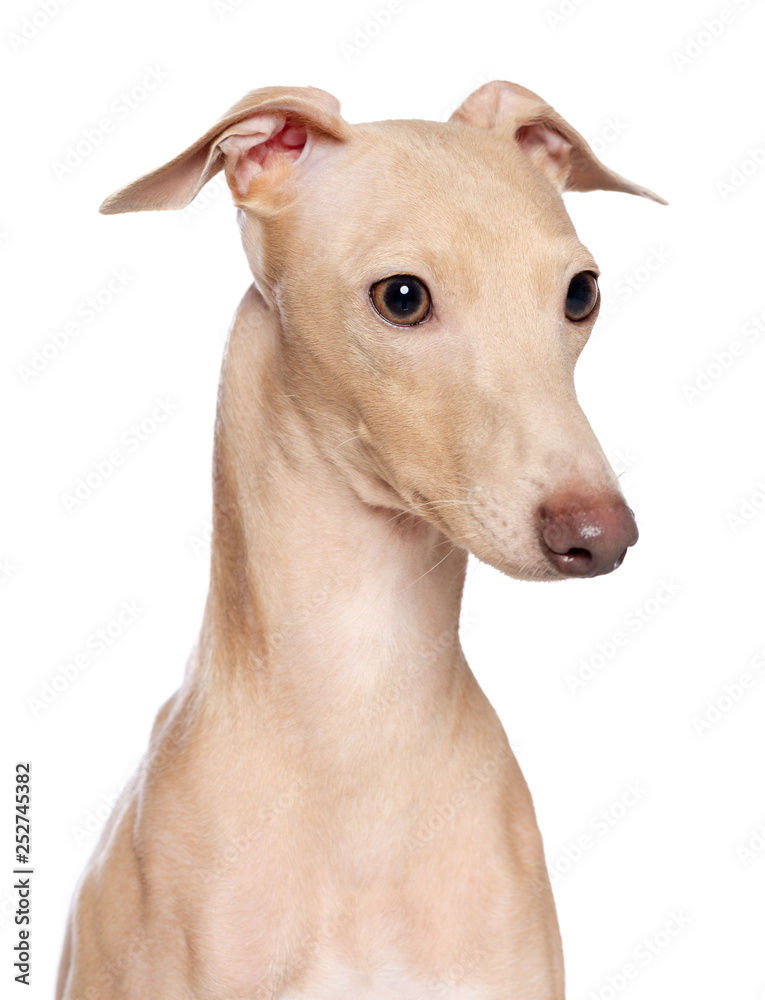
(547, 149)
(289, 142)
(264, 141)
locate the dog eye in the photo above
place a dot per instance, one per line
(402, 299)
(582, 296)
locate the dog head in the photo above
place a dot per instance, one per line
(432, 298)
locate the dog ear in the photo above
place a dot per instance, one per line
(267, 130)
(557, 150)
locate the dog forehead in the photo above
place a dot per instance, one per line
(422, 163)
(448, 197)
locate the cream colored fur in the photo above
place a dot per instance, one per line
(329, 807)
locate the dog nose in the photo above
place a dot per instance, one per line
(586, 540)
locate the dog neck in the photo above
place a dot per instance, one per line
(333, 607)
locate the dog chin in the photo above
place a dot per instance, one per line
(536, 568)
(519, 558)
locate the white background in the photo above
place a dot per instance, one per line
(683, 127)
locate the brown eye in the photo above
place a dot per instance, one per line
(582, 296)
(403, 299)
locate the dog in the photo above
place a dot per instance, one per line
(329, 807)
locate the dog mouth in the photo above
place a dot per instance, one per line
(526, 562)
(561, 539)
(488, 533)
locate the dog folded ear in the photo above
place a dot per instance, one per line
(557, 150)
(266, 131)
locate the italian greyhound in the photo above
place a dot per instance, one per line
(329, 807)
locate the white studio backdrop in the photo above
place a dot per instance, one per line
(634, 701)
